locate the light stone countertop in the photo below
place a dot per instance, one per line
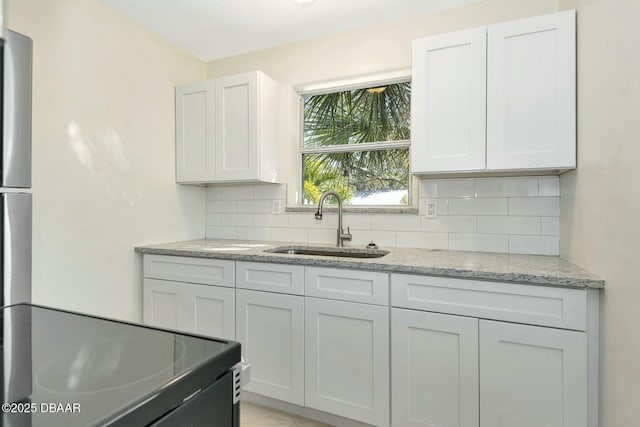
(519, 269)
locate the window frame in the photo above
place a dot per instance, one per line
(360, 82)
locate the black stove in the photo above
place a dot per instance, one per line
(68, 369)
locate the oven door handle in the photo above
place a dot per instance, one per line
(241, 377)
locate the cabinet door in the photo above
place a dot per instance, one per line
(434, 370)
(531, 93)
(347, 359)
(448, 111)
(164, 304)
(195, 132)
(236, 127)
(532, 376)
(371, 287)
(210, 310)
(270, 328)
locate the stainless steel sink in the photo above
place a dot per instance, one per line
(329, 251)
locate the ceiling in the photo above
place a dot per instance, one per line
(213, 29)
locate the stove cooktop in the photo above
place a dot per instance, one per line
(66, 369)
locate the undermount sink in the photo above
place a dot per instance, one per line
(329, 251)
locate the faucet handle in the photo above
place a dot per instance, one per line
(318, 214)
(346, 236)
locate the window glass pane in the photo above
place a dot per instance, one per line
(358, 116)
(378, 177)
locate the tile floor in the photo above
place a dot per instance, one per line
(252, 415)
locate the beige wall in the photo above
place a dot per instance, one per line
(374, 49)
(103, 153)
(600, 201)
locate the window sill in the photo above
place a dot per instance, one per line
(357, 209)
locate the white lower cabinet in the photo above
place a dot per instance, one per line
(347, 359)
(448, 353)
(270, 328)
(532, 376)
(452, 370)
(164, 304)
(434, 370)
(201, 309)
(210, 310)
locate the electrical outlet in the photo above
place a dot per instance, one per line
(431, 209)
(276, 207)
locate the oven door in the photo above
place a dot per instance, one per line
(211, 407)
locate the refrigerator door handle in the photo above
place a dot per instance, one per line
(16, 250)
(16, 111)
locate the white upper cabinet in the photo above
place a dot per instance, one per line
(448, 102)
(531, 86)
(229, 130)
(195, 132)
(500, 98)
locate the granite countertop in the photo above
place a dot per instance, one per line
(520, 269)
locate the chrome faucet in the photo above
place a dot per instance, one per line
(342, 236)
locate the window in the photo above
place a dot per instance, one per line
(356, 142)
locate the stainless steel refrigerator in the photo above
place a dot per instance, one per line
(15, 188)
(15, 221)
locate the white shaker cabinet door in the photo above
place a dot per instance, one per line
(531, 93)
(270, 328)
(210, 310)
(195, 132)
(237, 127)
(347, 359)
(164, 304)
(448, 102)
(531, 376)
(434, 370)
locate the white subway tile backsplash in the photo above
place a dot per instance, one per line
(449, 224)
(384, 239)
(269, 220)
(307, 220)
(217, 206)
(269, 191)
(323, 236)
(507, 214)
(509, 225)
(550, 226)
(293, 235)
(479, 242)
(254, 206)
(534, 245)
(221, 232)
(487, 206)
(538, 206)
(254, 233)
(507, 187)
(549, 186)
(395, 222)
(447, 188)
(422, 240)
(236, 219)
(230, 192)
(357, 221)
(213, 219)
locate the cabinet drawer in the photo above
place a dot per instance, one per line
(537, 305)
(349, 285)
(193, 270)
(281, 278)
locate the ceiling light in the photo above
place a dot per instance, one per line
(303, 3)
